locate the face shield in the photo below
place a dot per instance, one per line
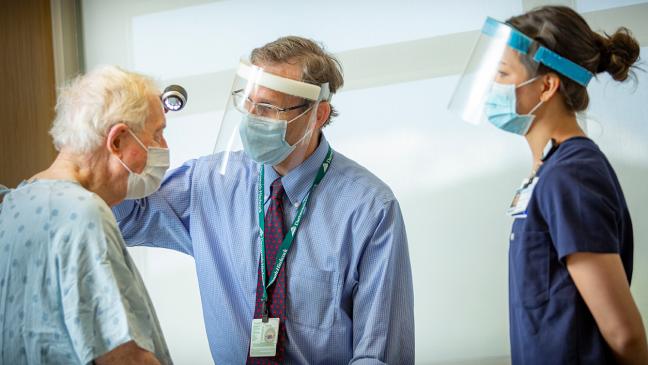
(269, 117)
(502, 60)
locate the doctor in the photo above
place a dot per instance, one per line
(571, 246)
(301, 253)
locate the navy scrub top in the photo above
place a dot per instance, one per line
(576, 206)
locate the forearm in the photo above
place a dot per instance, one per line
(630, 347)
(128, 354)
(153, 222)
(602, 282)
(132, 220)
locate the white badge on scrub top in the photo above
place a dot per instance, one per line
(264, 337)
(521, 199)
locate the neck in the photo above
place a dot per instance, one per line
(558, 126)
(299, 155)
(87, 170)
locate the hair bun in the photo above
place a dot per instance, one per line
(619, 55)
(604, 55)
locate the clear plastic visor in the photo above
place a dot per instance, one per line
(268, 117)
(499, 56)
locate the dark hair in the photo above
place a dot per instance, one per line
(565, 32)
(318, 66)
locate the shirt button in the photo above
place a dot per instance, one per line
(296, 205)
(512, 236)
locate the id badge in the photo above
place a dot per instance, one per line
(518, 206)
(264, 337)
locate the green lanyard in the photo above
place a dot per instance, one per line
(287, 241)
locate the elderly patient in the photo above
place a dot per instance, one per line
(69, 291)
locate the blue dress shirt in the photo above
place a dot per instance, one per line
(349, 281)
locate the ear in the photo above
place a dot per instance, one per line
(115, 138)
(323, 113)
(550, 86)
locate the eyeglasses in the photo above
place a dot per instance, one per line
(262, 109)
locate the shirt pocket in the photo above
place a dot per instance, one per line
(311, 297)
(530, 253)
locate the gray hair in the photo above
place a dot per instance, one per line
(318, 66)
(92, 103)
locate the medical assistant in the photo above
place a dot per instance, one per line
(577, 205)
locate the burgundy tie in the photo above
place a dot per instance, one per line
(274, 235)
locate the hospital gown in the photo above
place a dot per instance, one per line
(69, 291)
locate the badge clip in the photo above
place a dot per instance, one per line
(264, 311)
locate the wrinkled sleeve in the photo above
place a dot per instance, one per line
(161, 219)
(580, 205)
(100, 294)
(383, 303)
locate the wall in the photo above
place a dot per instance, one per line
(28, 95)
(453, 180)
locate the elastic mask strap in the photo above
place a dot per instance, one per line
(141, 144)
(300, 115)
(305, 134)
(527, 82)
(138, 140)
(123, 164)
(303, 137)
(536, 107)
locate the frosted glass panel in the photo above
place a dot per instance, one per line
(454, 180)
(593, 5)
(212, 37)
(191, 136)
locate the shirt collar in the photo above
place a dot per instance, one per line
(298, 181)
(549, 149)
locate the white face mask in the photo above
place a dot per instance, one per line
(148, 181)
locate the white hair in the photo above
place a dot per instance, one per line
(92, 103)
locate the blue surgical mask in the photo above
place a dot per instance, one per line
(264, 139)
(501, 109)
